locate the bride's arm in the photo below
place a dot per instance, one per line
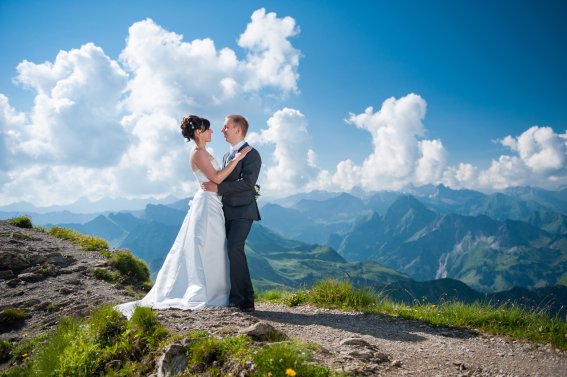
(202, 159)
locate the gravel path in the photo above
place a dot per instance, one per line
(382, 345)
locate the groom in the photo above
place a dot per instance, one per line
(240, 209)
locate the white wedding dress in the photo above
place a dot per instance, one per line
(195, 272)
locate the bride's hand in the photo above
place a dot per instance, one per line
(243, 152)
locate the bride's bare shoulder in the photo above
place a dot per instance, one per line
(200, 157)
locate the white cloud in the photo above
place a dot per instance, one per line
(76, 113)
(103, 127)
(272, 60)
(541, 149)
(11, 125)
(399, 157)
(293, 159)
(540, 158)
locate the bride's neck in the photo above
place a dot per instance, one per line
(200, 144)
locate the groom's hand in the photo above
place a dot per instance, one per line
(209, 186)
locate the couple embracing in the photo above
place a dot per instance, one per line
(206, 266)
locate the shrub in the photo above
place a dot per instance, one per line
(12, 315)
(145, 323)
(132, 269)
(22, 222)
(104, 274)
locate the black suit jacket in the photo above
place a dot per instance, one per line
(237, 190)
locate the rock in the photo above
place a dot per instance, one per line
(263, 331)
(6, 275)
(381, 357)
(396, 363)
(13, 260)
(362, 355)
(59, 260)
(73, 282)
(173, 360)
(14, 282)
(32, 277)
(354, 342)
(66, 290)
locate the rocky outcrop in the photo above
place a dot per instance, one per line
(47, 278)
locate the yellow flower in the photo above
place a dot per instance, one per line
(24, 355)
(290, 372)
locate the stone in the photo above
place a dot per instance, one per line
(11, 260)
(362, 355)
(173, 360)
(32, 277)
(66, 290)
(381, 357)
(396, 363)
(14, 282)
(354, 342)
(59, 260)
(263, 331)
(6, 275)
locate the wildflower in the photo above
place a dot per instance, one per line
(290, 372)
(24, 355)
(24, 334)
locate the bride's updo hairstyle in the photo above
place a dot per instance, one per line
(191, 123)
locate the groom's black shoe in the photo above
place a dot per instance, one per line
(248, 309)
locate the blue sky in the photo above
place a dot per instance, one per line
(476, 94)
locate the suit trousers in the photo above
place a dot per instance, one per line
(241, 289)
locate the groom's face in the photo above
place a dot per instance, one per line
(231, 131)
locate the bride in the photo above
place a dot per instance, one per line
(195, 272)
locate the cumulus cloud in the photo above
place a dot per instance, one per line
(104, 127)
(400, 155)
(539, 156)
(293, 160)
(11, 124)
(171, 75)
(76, 113)
(272, 60)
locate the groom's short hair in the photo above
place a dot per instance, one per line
(241, 122)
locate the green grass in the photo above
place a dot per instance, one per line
(11, 315)
(505, 319)
(86, 242)
(105, 275)
(104, 343)
(132, 269)
(209, 356)
(22, 222)
(5, 350)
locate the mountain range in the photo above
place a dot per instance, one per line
(431, 241)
